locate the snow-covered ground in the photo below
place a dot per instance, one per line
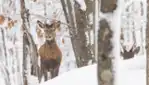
(133, 72)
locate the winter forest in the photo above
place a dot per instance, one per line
(74, 42)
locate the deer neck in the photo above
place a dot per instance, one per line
(50, 42)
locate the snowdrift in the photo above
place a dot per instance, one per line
(133, 72)
(82, 76)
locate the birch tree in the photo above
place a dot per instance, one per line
(11, 44)
(147, 42)
(29, 47)
(106, 46)
(95, 27)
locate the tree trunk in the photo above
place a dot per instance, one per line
(105, 76)
(4, 46)
(105, 46)
(95, 27)
(25, 54)
(29, 47)
(63, 3)
(78, 21)
(108, 5)
(83, 49)
(25, 42)
(147, 42)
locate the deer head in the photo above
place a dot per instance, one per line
(49, 30)
(130, 54)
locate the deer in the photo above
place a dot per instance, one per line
(49, 52)
(130, 54)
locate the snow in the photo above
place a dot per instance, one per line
(130, 72)
(133, 72)
(82, 4)
(82, 76)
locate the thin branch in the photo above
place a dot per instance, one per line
(65, 10)
(4, 45)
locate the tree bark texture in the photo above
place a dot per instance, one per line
(108, 5)
(105, 46)
(95, 27)
(78, 21)
(83, 49)
(105, 76)
(29, 47)
(4, 45)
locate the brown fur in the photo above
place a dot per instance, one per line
(63, 41)
(49, 52)
(2, 19)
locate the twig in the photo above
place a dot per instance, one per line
(4, 45)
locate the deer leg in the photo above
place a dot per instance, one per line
(32, 72)
(40, 72)
(52, 74)
(45, 75)
(55, 72)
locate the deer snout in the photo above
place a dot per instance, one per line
(50, 37)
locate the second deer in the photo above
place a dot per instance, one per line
(129, 54)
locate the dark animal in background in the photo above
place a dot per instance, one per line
(49, 52)
(130, 54)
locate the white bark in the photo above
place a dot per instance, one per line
(116, 27)
(96, 27)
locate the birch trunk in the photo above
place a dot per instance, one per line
(95, 27)
(29, 47)
(105, 76)
(147, 42)
(106, 47)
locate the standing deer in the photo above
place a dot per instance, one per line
(129, 54)
(49, 52)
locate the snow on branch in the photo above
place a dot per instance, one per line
(82, 4)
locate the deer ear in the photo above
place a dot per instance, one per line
(40, 24)
(136, 50)
(57, 24)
